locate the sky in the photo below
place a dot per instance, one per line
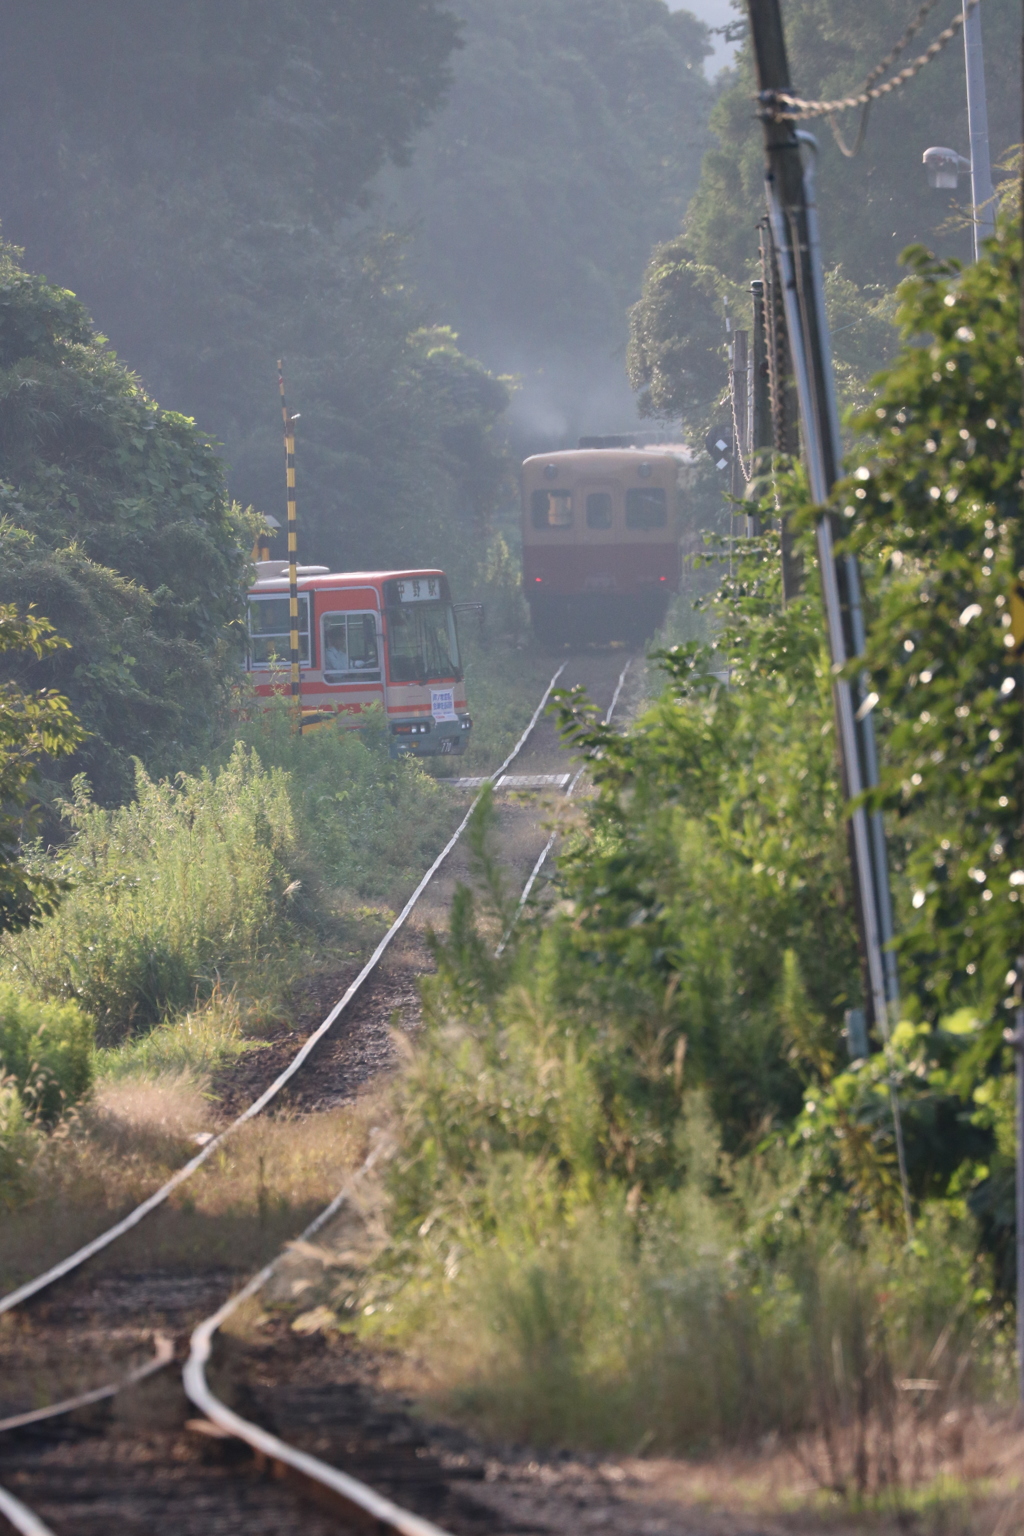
(716, 13)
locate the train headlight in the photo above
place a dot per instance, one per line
(644, 471)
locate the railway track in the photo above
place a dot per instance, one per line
(164, 1469)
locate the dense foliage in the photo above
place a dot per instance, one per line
(35, 725)
(115, 522)
(184, 885)
(45, 1054)
(677, 356)
(935, 508)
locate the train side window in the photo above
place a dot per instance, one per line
(270, 631)
(551, 509)
(599, 509)
(645, 507)
(351, 653)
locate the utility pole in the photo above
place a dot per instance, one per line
(760, 429)
(794, 229)
(295, 686)
(739, 400)
(783, 407)
(760, 385)
(982, 194)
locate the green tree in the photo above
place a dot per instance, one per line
(935, 509)
(33, 725)
(116, 520)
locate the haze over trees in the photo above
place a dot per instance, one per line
(188, 170)
(571, 142)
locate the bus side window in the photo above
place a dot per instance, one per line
(270, 631)
(351, 653)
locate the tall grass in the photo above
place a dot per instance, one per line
(581, 1264)
(363, 821)
(187, 883)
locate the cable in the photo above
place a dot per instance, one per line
(781, 106)
(736, 428)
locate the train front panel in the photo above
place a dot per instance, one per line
(600, 542)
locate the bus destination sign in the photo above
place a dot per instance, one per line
(418, 589)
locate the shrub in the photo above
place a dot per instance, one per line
(45, 1051)
(18, 1144)
(363, 819)
(182, 886)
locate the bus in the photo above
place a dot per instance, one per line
(601, 553)
(384, 638)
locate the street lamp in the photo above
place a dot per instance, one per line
(944, 166)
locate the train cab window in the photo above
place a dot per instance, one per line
(599, 509)
(645, 507)
(551, 509)
(350, 650)
(270, 631)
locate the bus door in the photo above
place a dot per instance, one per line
(351, 650)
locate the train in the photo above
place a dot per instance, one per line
(601, 555)
(384, 638)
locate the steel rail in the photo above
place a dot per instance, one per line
(353, 1498)
(570, 791)
(97, 1244)
(21, 1517)
(162, 1355)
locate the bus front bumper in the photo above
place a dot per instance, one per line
(426, 737)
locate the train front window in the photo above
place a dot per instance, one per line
(351, 653)
(270, 631)
(645, 507)
(423, 645)
(551, 509)
(599, 509)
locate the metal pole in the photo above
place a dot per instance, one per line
(760, 429)
(783, 402)
(295, 689)
(789, 187)
(982, 194)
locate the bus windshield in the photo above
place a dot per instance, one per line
(422, 642)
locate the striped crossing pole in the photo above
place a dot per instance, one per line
(293, 543)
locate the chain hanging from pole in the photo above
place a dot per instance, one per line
(782, 106)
